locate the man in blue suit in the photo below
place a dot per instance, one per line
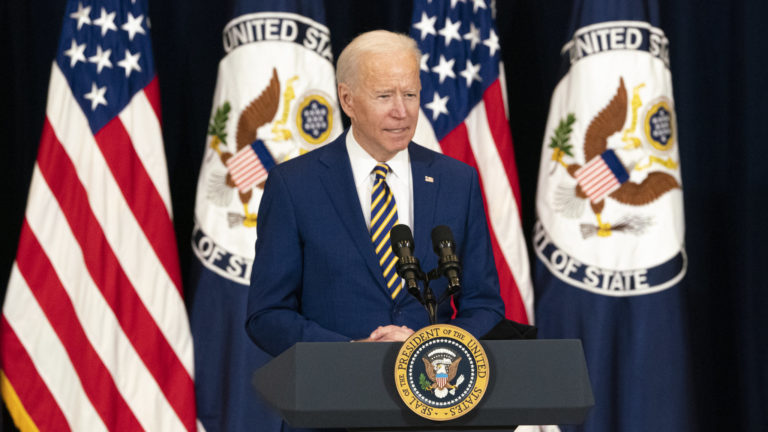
(316, 275)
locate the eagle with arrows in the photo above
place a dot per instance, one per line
(441, 374)
(608, 121)
(259, 112)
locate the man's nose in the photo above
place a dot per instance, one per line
(398, 107)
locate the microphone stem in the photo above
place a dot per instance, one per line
(429, 302)
(432, 313)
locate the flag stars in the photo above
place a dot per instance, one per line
(101, 58)
(426, 26)
(478, 4)
(75, 53)
(423, 63)
(106, 21)
(473, 36)
(455, 2)
(438, 106)
(133, 25)
(130, 63)
(450, 31)
(82, 15)
(96, 96)
(492, 42)
(471, 72)
(444, 68)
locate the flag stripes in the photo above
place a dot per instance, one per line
(497, 122)
(48, 358)
(91, 174)
(57, 307)
(122, 164)
(102, 329)
(517, 302)
(246, 169)
(21, 384)
(501, 210)
(142, 124)
(152, 91)
(502, 199)
(140, 194)
(108, 274)
(599, 177)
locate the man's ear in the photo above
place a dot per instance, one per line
(345, 99)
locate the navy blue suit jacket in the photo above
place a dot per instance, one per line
(315, 275)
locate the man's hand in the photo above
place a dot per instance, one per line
(389, 333)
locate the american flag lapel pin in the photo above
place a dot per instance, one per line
(429, 179)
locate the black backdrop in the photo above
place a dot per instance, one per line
(718, 63)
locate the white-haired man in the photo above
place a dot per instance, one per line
(323, 269)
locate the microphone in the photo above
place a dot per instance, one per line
(407, 266)
(448, 263)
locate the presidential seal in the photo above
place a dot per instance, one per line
(441, 372)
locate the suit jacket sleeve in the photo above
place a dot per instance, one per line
(479, 304)
(274, 320)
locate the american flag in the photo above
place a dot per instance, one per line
(94, 333)
(463, 114)
(601, 176)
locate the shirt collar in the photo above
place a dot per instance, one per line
(363, 163)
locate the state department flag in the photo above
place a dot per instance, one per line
(275, 99)
(463, 115)
(609, 247)
(94, 333)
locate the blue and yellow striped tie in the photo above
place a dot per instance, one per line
(383, 218)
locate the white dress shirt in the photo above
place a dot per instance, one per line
(399, 180)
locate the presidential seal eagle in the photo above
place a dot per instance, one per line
(441, 374)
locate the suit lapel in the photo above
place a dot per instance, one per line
(425, 185)
(338, 181)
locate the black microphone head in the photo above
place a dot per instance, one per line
(401, 237)
(442, 237)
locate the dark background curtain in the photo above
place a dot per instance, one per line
(718, 65)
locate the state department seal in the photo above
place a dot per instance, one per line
(441, 372)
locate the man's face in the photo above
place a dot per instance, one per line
(383, 103)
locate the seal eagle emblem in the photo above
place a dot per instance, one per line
(604, 175)
(248, 166)
(441, 371)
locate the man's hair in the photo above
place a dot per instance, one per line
(372, 42)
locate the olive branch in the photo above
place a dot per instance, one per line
(218, 125)
(424, 383)
(561, 139)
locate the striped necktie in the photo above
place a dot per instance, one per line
(383, 218)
